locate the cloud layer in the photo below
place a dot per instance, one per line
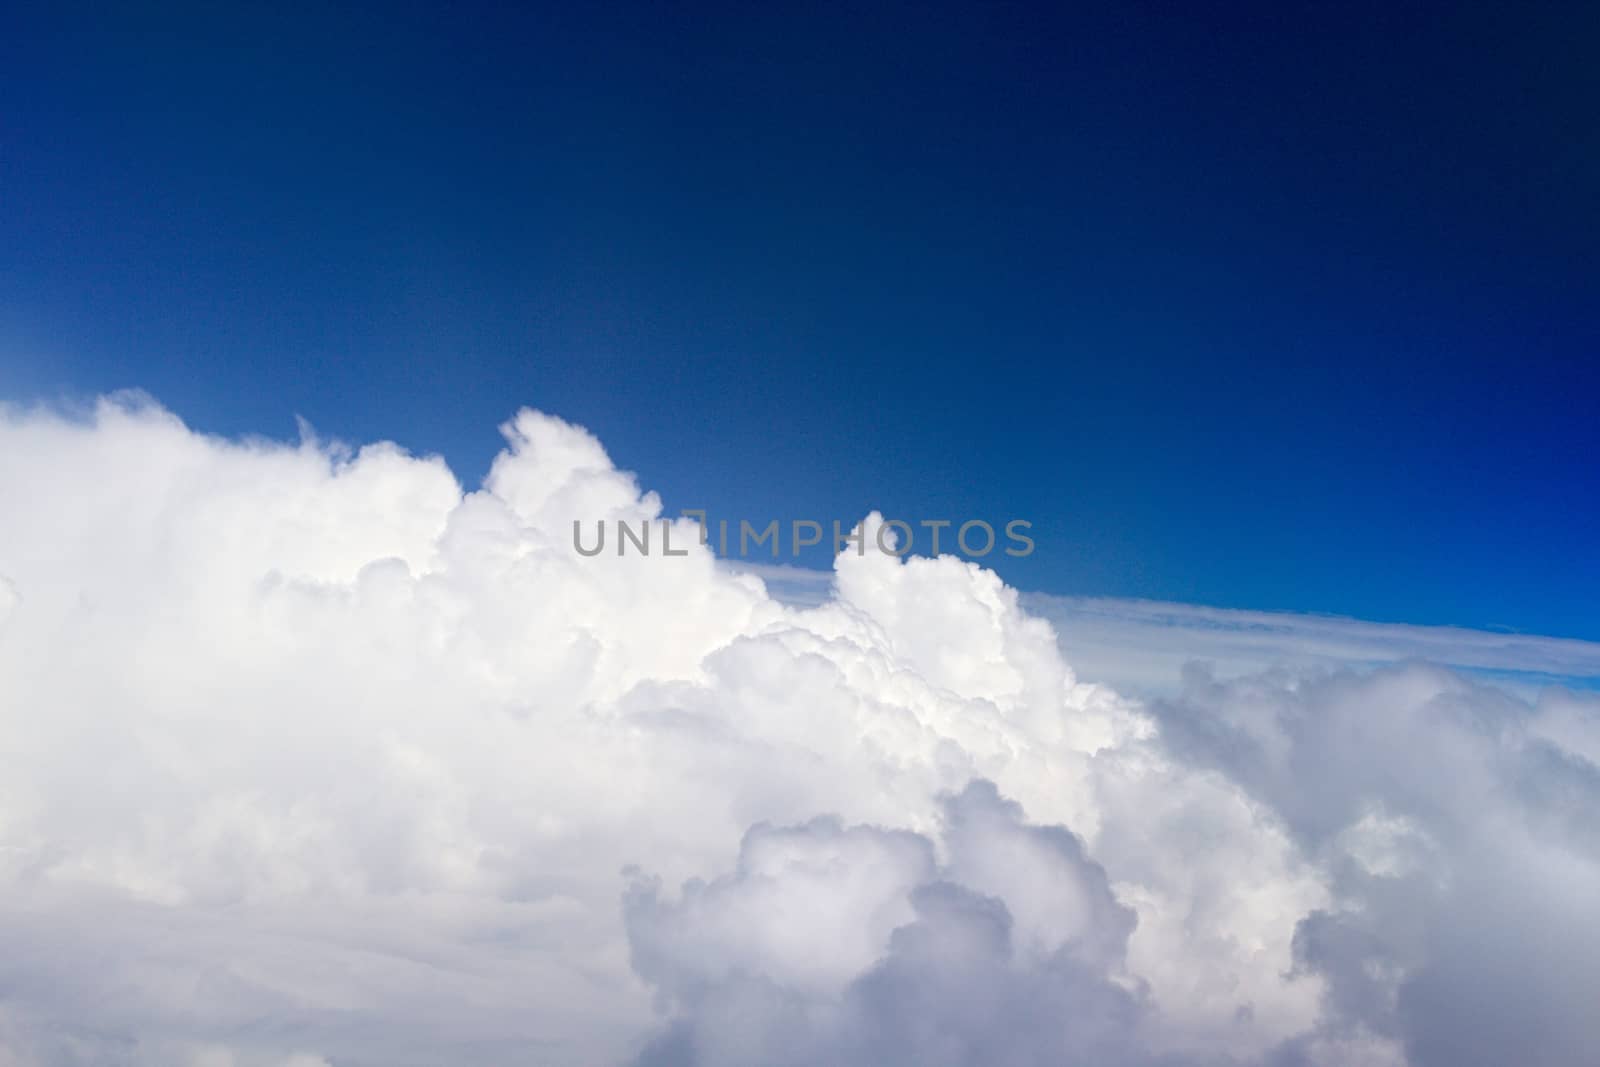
(311, 757)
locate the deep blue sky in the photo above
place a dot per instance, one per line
(1293, 307)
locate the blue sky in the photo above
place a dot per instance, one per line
(1285, 309)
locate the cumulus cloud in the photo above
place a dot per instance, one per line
(312, 756)
(1141, 647)
(857, 946)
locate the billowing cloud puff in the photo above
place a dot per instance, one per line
(309, 756)
(861, 946)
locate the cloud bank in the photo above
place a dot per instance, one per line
(310, 757)
(1142, 647)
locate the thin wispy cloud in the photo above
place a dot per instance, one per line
(1143, 645)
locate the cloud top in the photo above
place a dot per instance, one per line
(310, 755)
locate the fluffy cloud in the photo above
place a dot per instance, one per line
(859, 946)
(309, 756)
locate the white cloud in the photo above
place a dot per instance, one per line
(309, 756)
(1143, 645)
(1010, 951)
